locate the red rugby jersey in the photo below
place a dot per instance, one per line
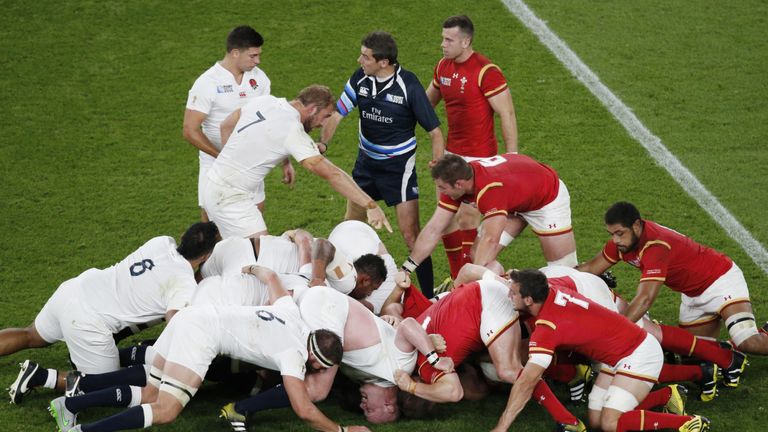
(665, 255)
(506, 184)
(465, 88)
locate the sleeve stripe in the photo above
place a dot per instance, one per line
(482, 73)
(611, 260)
(488, 186)
(651, 243)
(495, 91)
(540, 350)
(495, 213)
(450, 207)
(549, 324)
(661, 279)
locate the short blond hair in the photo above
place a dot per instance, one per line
(317, 95)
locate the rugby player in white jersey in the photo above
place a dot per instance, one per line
(153, 282)
(373, 351)
(263, 133)
(272, 337)
(223, 88)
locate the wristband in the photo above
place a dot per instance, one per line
(432, 358)
(371, 205)
(409, 266)
(412, 387)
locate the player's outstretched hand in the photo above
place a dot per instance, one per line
(439, 342)
(377, 218)
(403, 380)
(444, 364)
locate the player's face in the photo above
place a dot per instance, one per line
(373, 404)
(454, 43)
(625, 238)
(317, 119)
(369, 64)
(446, 188)
(248, 59)
(514, 295)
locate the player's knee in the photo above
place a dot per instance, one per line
(568, 260)
(608, 423)
(742, 328)
(509, 374)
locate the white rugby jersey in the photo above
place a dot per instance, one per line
(142, 287)
(273, 337)
(241, 289)
(269, 131)
(217, 94)
(355, 239)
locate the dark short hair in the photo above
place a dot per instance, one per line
(622, 212)
(451, 168)
(198, 240)
(533, 283)
(382, 44)
(244, 37)
(318, 95)
(329, 344)
(372, 265)
(462, 22)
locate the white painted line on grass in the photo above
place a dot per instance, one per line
(639, 132)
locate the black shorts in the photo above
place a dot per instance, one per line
(392, 180)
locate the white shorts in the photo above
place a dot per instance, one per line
(729, 288)
(66, 317)
(234, 211)
(191, 339)
(229, 257)
(278, 254)
(554, 218)
(377, 364)
(206, 161)
(497, 314)
(644, 363)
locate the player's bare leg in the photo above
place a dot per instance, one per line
(17, 339)
(559, 249)
(740, 318)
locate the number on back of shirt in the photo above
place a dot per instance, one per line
(258, 120)
(138, 268)
(269, 316)
(562, 299)
(491, 161)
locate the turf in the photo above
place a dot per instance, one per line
(93, 162)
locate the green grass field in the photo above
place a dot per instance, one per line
(93, 162)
